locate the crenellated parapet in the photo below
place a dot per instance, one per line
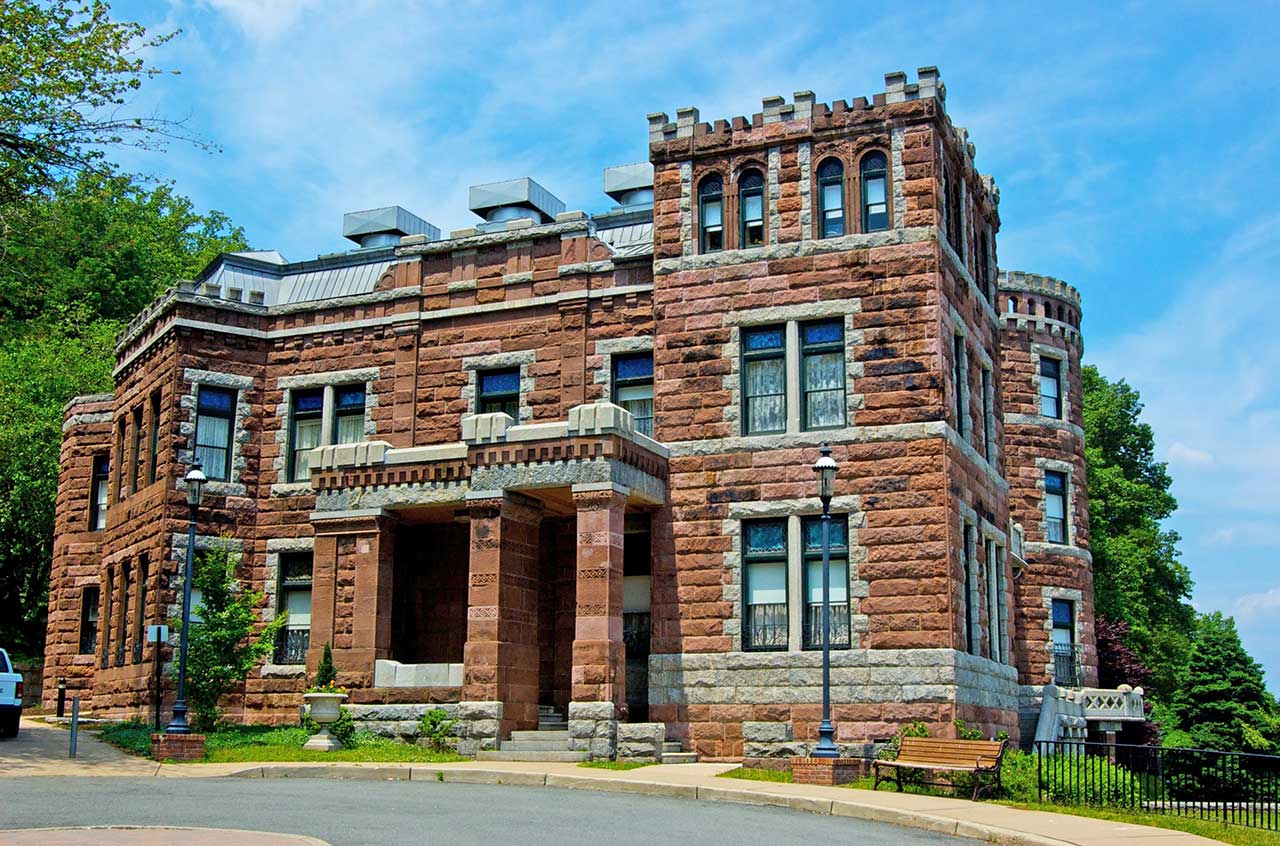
(1039, 304)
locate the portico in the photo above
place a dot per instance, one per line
(503, 553)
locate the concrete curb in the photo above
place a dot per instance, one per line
(740, 795)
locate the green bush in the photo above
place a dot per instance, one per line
(343, 729)
(1089, 780)
(435, 730)
(132, 736)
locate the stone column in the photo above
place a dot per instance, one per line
(500, 661)
(599, 655)
(353, 569)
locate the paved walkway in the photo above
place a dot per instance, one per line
(980, 820)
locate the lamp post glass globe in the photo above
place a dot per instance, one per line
(195, 480)
(826, 468)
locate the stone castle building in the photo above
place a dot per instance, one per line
(560, 462)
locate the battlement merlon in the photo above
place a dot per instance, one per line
(1035, 283)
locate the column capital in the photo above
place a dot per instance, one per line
(488, 504)
(599, 496)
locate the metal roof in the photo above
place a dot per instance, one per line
(633, 239)
(249, 279)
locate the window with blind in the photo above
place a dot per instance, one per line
(1050, 387)
(811, 533)
(875, 192)
(764, 380)
(348, 414)
(633, 388)
(305, 421)
(294, 595)
(99, 492)
(764, 575)
(710, 214)
(751, 209)
(1055, 506)
(822, 374)
(215, 421)
(499, 390)
(830, 198)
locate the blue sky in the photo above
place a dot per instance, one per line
(1135, 145)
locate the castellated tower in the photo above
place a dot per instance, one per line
(1041, 349)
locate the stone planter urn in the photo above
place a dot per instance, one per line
(324, 709)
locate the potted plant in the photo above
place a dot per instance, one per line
(324, 703)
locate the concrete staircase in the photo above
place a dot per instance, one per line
(673, 753)
(550, 742)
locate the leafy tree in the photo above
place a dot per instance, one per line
(68, 73)
(1223, 702)
(1138, 578)
(226, 642)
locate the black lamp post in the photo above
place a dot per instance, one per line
(826, 468)
(195, 480)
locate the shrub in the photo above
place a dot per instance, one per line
(343, 729)
(1089, 780)
(326, 675)
(435, 730)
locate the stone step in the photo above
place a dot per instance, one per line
(561, 757)
(534, 745)
(553, 726)
(557, 734)
(672, 746)
(679, 757)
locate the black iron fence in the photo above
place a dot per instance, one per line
(1239, 788)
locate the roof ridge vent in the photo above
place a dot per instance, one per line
(384, 227)
(514, 199)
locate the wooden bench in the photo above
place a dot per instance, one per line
(976, 757)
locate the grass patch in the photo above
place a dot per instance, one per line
(233, 744)
(757, 774)
(1235, 834)
(616, 765)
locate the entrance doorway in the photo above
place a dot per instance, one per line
(636, 620)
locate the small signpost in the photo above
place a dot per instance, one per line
(157, 635)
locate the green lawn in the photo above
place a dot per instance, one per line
(758, 774)
(254, 744)
(616, 765)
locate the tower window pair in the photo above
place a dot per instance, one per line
(874, 201)
(711, 212)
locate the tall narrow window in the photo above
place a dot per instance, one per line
(811, 531)
(970, 610)
(153, 450)
(710, 215)
(822, 374)
(499, 390)
(98, 493)
(140, 609)
(1050, 387)
(215, 415)
(764, 567)
(633, 388)
(831, 198)
(1055, 506)
(984, 268)
(122, 621)
(954, 220)
(122, 460)
(764, 380)
(993, 602)
(1066, 668)
(89, 620)
(294, 598)
(135, 477)
(108, 599)
(959, 375)
(348, 415)
(875, 193)
(307, 409)
(988, 417)
(751, 209)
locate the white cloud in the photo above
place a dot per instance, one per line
(1180, 454)
(1254, 605)
(263, 20)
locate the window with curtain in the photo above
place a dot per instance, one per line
(305, 416)
(1055, 506)
(294, 598)
(633, 388)
(215, 418)
(98, 493)
(751, 209)
(499, 390)
(811, 532)
(89, 620)
(830, 198)
(822, 385)
(764, 569)
(710, 214)
(1050, 387)
(348, 414)
(154, 452)
(135, 477)
(875, 192)
(764, 380)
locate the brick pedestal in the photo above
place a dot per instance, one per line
(177, 747)
(827, 771)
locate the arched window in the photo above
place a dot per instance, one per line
(1013, 305)
(751, 209)
(710, 214)
(875, 199)
(830, 199)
